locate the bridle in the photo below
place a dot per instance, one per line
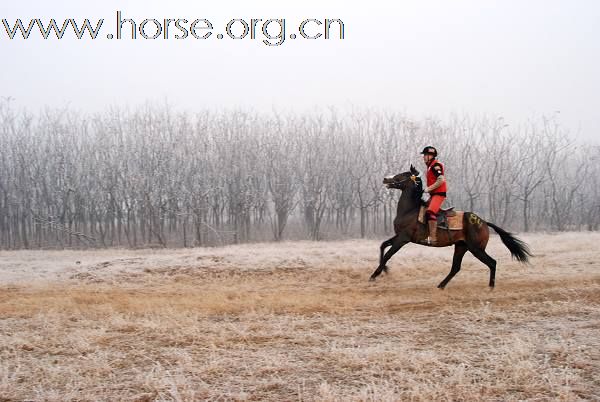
(412, 177)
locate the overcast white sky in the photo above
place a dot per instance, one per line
(517, 59)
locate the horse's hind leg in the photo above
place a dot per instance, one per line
(459, 251)
(382, 248)
(397, 243)
(484, 257)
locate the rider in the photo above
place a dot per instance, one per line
(436, 187)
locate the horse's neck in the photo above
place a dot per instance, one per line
(408, 202)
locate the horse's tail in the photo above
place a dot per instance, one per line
(518, 248)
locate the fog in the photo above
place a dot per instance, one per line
(519, 60)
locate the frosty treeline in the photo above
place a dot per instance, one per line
(156, 177)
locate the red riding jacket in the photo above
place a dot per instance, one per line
(435, 169)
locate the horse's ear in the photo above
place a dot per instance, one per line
(413, 170)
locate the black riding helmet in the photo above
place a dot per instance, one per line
(429, 150)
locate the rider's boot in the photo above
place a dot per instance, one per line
(432, 239)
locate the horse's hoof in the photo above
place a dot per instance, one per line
(441, 287)
(385, 269)
(372, 279)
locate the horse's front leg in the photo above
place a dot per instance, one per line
(397, 243)
(382, 248)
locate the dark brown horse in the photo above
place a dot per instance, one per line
(473, 236)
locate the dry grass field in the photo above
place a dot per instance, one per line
(299, 321)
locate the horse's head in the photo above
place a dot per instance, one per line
(401, 181)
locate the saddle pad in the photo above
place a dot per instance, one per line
(455, 220)
(421, 218)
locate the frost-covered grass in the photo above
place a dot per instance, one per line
(300, 321)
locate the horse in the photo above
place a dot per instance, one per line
(473, 236)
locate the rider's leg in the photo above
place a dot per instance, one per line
(435, 204)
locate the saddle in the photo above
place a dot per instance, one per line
(448, 218)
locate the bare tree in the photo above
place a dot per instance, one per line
(151, 176)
